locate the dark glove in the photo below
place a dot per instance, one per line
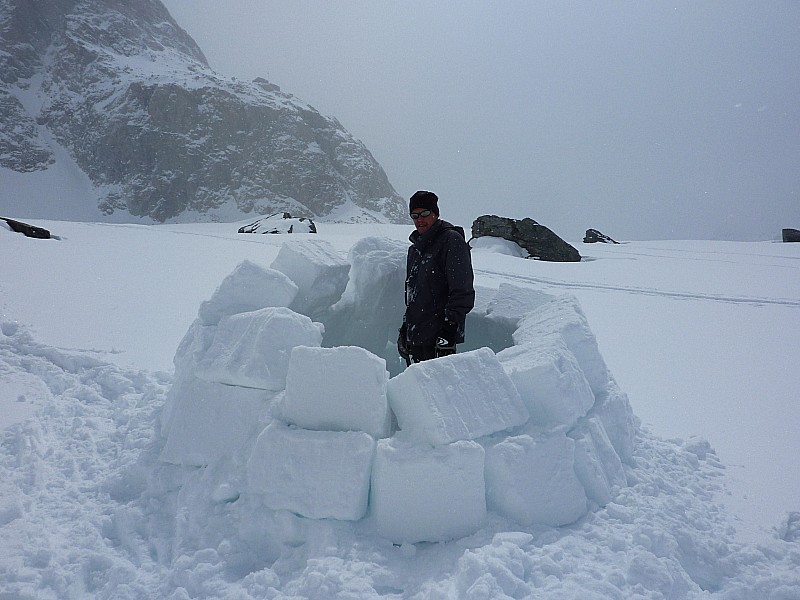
(402, 347)
(446, 340)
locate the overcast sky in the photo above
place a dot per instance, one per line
(644, 119)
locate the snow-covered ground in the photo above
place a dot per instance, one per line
(702, 336)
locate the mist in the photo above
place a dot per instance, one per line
(646, 120)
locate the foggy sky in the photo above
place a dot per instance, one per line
(646, 120)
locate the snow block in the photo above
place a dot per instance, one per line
(532, 480)
(480, 330)
(484, 296)
(194, 344)
(427, 494)
(564, 318)
(497, 312)
(458, 397)
(371, 308)
(511, 303)
(252, 349)
(550, 381)
(183, 380)
(614, 410)
(249, 287)
(210, 421)
(320, 273)
(317, 474)
(597, 464)
(337, 389)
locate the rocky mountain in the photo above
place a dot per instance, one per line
(130, 97)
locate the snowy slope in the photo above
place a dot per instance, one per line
(116, 105)
(699, 334)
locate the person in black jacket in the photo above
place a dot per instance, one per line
(439, 284)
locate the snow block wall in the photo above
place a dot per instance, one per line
(371, 308)
(337, 389)
(458, 397)
(428, 493)
(317, 474)
(550, 380)
(199, 408)
(248, 287)
(319, 272)
(230, 364)
(562, 319)
(537, 432)
(531, 479)
(252, 349)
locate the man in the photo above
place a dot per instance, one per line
(439, 291)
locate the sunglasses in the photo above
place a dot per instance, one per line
(422, 213)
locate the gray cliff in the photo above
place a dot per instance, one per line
(130, 96)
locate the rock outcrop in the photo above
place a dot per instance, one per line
(27, 229)
(594, 236)
(280, 223)
(539, 241)
(791, 235)
(131, 98)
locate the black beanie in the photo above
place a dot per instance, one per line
(423, 199)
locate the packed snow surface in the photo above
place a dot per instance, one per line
(188, 412)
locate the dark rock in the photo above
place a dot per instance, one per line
(593, 236)
(280, 223)
(31, 231)
(791, 235)
(539, 241)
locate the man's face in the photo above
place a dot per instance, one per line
(423, 219)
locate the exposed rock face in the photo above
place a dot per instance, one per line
(593, 236)
(20, 146)
(540, 242)
(790, 531)
(280, 223)
(131, 97)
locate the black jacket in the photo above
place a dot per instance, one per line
(438, 282)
